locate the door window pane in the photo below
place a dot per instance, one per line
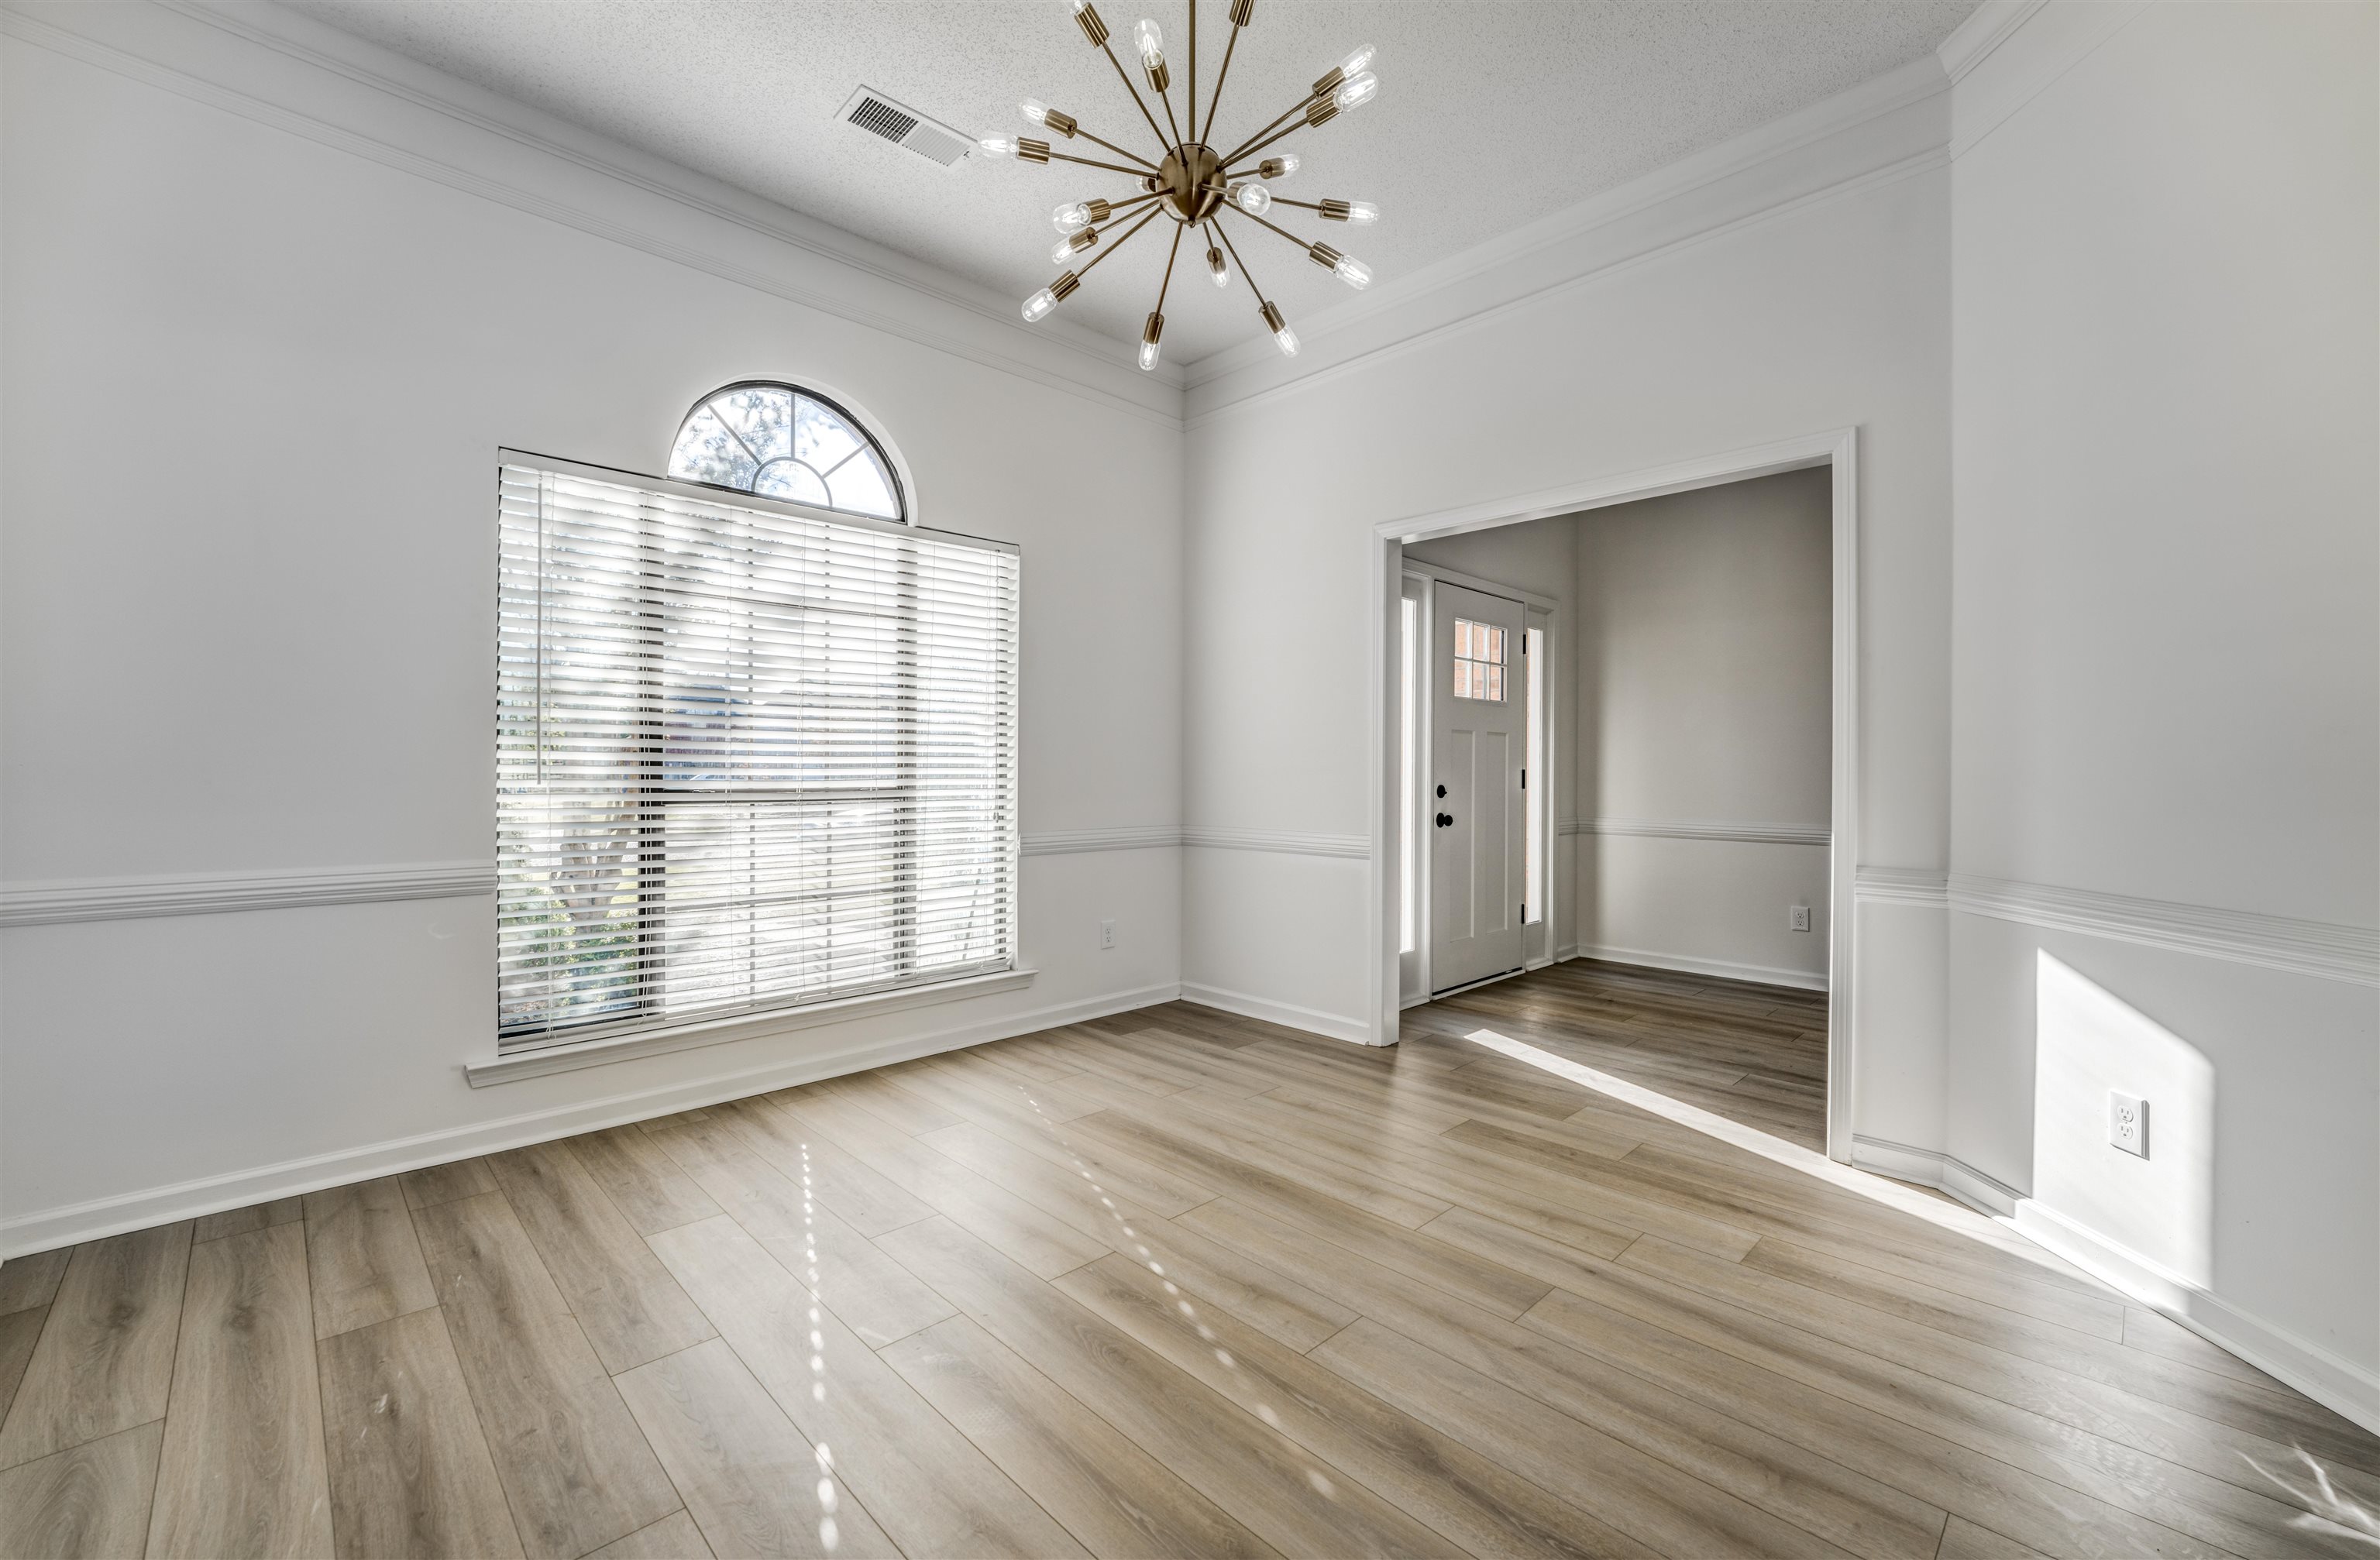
(1478, 662)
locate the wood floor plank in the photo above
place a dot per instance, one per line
(1267, 1482)
(753, 1485)
(1042, 1242)
(256, 1216)
(410, 1474)
(875, 1296)
(675, 1537)
(243, 1471)
(446, 1183)
(1652, 1500)
(88, 1503)
(576, 1472)
(1853, 1509)
(104, 1360)
(1473, 1501)
(1258, 1295)
(862, 1197)
(631, 1309)
(643, 1182)
(1114, 1498)
(363, 1257)
(927, 1485)
(1965, 1541)
(19, 1330)
(32, 1280)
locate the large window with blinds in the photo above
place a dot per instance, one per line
(748, 754)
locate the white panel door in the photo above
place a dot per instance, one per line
(1478, 822)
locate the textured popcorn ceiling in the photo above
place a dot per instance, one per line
(1490, 114)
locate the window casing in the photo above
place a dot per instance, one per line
(749, 755)
(781, 442)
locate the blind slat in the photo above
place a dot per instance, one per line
(746, 757)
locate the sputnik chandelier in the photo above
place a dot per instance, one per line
(1191, 183)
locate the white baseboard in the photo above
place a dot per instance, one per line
(67, 1226)
(2337, 1383)
(1311, 1020)
(1759, 974)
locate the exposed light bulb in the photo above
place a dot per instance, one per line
(1069, 248)
(1280, 167)
(1036, 110)
(1355, 272)
(997, 146)
(1286, 339)
(1070, 218)
(1147, 355)
(1356, 90)
(1217, 269)
(1039, 304)
(1356, 64)
(1150, 42)
(1362, 210)
(1253, 198)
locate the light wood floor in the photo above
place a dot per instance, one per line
(1169, 1284)
(1753, 1054)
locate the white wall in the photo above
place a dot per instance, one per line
(2166, 656)
(267, 326)
(1713, 319)
(1704, 669)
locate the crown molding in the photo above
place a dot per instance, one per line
(2319, 948)
(1348, 847)
(2018, 50)
(286, 71)
(131, 899)
(1065, 842)
(1742, 833)
(1892, 126)
(1985, 29)
(1920, 886)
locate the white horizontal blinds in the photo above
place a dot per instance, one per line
(746, 757)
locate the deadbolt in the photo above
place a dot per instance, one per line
(1441, 790)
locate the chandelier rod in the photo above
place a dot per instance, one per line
(1295, 108)
(1167, 99)
(1252, 150)
(1283, 231)
(1216, 101)
(1225, 234)
(1087, 163)
(1194, 66)
(1146, 218)
(1139, 102)
(1114, 148)
(1171, 254)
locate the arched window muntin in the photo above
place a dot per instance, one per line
(779, 439)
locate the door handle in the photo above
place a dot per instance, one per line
(1444, 819)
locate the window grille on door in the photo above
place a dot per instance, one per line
(748, 754)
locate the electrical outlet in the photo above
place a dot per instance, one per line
(1797, 917)
(2128, 1123)
(1106, 931)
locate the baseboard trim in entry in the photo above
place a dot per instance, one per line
(1312, 1019)
(77, 1222)
(2337, 1383)
(1758, 975)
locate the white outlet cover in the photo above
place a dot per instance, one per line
(1797, 917)
(2127, 1122)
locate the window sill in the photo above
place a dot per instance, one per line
(744, 1026)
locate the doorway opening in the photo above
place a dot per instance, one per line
(1617, 810)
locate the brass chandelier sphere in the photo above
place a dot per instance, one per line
(1190, 182)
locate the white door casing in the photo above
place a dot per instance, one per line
(1475, 800)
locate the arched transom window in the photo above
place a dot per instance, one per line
(781, 442)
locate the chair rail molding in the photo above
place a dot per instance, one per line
(129, 899)
(1351, 847)
(1067, 842)
(1923, 886)
(2319, 948)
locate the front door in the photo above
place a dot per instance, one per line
(1478, 821)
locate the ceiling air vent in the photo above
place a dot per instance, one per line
(879, 115)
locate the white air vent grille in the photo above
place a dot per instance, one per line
(904, 126)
